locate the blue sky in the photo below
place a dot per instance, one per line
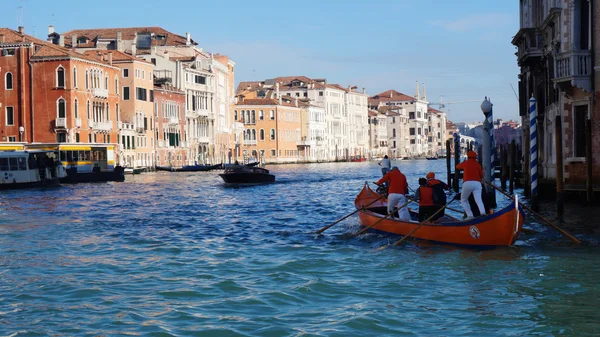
(460, 49)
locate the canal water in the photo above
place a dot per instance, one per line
(179, 254)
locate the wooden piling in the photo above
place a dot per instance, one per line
(456, 162)
(526, 168)
(558, 144)
(513, 159)
(588, 161)
(503, 167)
(448, 159)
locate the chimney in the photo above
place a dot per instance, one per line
(277, 91)
(364, 91)
(50, 29)
(109, 58)
(133, 49)
(417, 95)
(73, 41)
(21, 30)
(119, 41)
(296, 102)
(391, 94)
(188, 39)
(61, 40)
(424, 94)
(1, 38)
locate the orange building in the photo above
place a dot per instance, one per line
(169, 107)
(272, 129)
(54, 95)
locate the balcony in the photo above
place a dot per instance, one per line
(173, 120)
(203, 113)
(77, 122)
(529, 44)
(140, 129)
(249, 142)
(305, 142)
(203, 139)
(161, 143)
(103, 126)
(97, 92)
(574, 68)
(61, 122)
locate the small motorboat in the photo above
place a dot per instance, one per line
(501, 228)
(247, 175)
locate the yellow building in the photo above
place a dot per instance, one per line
(272, 129)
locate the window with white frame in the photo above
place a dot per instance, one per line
(74, 77)
(272, 134)
(10, 115)
(60, 77)
(87, 79)
(88, 110)
(262, 134)
(272, 115)
(76, 109)
(8, 81)
(61, 108)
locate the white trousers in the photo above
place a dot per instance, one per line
(468, 188)
(396, 200)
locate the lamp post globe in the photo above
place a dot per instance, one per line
(486, 106)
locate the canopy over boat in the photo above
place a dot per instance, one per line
(501, 228)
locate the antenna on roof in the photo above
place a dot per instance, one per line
(20, 16)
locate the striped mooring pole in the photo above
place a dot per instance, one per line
(492, 142)
(533, 151)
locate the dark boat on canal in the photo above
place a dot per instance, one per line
(247, 175)
(190, 168)
(96, 175)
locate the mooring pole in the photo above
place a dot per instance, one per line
(448, 159)
(558, 144)
(456, 160)
(533, 152)
(511, 172)
(588, 161)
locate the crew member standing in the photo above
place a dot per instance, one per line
(385, 164)
(472, 177)
(398, 187)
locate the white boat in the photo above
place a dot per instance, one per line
(25, 169)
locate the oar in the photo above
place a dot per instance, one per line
(380, 220)
(345, 217)
(562, 231)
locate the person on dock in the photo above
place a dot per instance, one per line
(385, 164)
(424, 194)
(439, 192)
(398, 187)
(472, 177)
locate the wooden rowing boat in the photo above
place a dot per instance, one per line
(501, 228)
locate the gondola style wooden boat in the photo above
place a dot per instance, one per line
(501, 228)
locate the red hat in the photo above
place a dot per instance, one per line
(430, 175)
(471, 154)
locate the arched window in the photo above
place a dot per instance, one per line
(88, 110)
(272, 134)
(116, 85)
(106, 82)
(107, 112)
(60, 77)
(74, 77)
(253, 134)
(117, 111)
(235, 116)
(87, 79)
(248, 116)
(243, 115)
(8, 81)
(61, 108)
(261, 134)
(394, 133)
(253, 117)
(261, 115)
(76, 109)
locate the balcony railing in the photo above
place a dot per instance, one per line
(97, 92)
(203, 112)
(77, 122)
(203, 139)
(61, 122)
(161, 143)
(140, 129)
(104, 126)
(249, 142)
(173, 120)
(574, 67)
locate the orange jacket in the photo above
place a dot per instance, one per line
(433, 182)
(473, 171)
(425, 196)
(397, 181)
